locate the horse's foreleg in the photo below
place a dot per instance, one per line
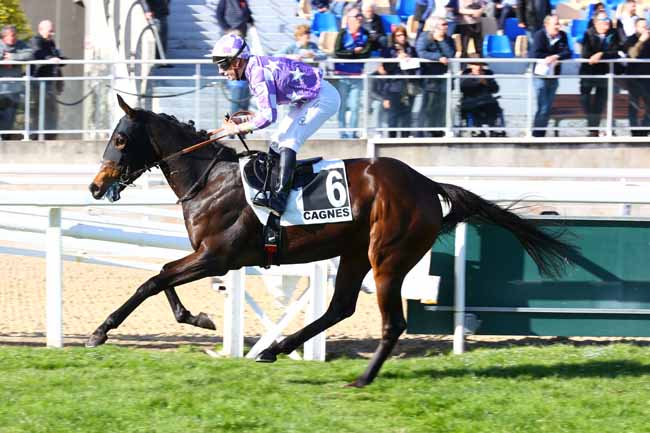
(393, 323)
(183, 315)
(185, 270)
(351, 271)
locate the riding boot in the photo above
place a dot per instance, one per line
(278, 201)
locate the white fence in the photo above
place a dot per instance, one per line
(40, 211)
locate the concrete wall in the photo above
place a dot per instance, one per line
(555, 155)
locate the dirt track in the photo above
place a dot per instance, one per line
(91, 292)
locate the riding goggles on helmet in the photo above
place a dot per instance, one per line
(225, 62)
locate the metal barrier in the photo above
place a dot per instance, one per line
(517, 98)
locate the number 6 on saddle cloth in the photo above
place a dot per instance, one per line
(319, 194)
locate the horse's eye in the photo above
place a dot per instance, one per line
(120, 142)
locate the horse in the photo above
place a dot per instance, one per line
(397, 216)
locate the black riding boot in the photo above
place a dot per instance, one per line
(278, 201)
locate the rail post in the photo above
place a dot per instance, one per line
(233, 329)
(459, 289)
(54, 274)
(315, 347)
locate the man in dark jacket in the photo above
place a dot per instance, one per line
(352, 42)
(599, 43)
(531, 14)
(45, 92)
(11, 91)
(158, 12)
(372, 23)
(234, 15)
(478, 102)
(434, 45)
(637, 46)
(549, 45)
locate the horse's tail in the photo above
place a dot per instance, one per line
(547, 250)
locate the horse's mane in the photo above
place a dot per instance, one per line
(228, 153)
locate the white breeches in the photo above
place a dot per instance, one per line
(304, 120)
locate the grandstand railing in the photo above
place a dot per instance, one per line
(517, 98)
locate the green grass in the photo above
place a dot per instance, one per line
(551, 389)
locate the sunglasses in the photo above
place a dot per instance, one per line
(400, 34)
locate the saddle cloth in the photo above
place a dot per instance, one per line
(320, 192)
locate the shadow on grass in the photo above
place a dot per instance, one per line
(600, 369)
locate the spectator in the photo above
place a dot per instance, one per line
(302, 49)
(377, 94)
(44, 48)
(438, 46)
(158, 13)
(469, 24)
(11, 91)
(504, 9)
(234, 15)
(352, 42)
(477, 101)
(637, 46)
(550, 45)
(599, 43)
(598, 8)
(531, 14)
(320, 5)
(625, 21)
(399, 93)
(423, 10)
(375, 28)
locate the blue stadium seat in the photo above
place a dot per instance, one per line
(578, 29)
(511, 28)
(497, 46)
(324, 22)
(390, 20)
(405, 8)
(572, 46)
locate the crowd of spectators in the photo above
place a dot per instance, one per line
(40, 47)
(609, 35)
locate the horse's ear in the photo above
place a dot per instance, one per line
(125, 107)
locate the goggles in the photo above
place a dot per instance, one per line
(226, 62)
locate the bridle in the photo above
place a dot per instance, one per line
(127, 177)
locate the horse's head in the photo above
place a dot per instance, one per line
(128, 153)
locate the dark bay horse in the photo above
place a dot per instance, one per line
(397, 217)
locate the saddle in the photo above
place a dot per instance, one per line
(261, 172)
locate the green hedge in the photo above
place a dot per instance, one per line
(12, 13)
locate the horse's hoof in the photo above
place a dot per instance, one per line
(203, 321)
(266, 356)
(357, 384)
(96, 340)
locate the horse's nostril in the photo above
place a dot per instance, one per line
(93, 188)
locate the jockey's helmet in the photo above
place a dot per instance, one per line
(228, 48)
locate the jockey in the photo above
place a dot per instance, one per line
(276, 81)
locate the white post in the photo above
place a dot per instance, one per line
(233, 310)
(315, 347)
(459, 289)
(54, 272)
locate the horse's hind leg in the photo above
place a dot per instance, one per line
(183, 315)
(351, 271)
(393, 323)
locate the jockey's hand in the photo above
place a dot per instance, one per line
(230, 128)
